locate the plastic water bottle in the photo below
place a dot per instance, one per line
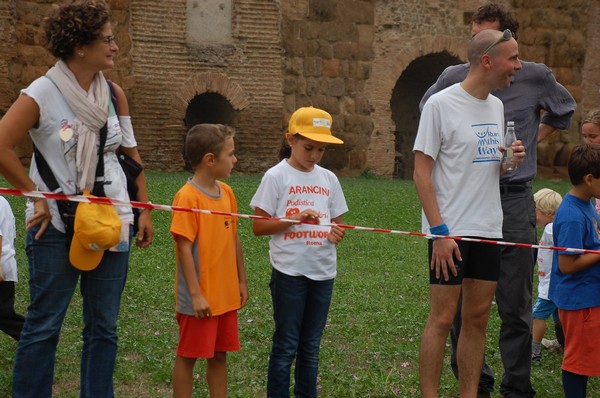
(509, 138)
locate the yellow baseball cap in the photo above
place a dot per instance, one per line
(97, 228)
(314, 124)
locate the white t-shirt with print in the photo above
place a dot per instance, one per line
(544, 262)
(55, 114)
(462, 134)
(8, 233)
(302, 249)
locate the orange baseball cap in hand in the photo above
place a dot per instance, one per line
(97, 228)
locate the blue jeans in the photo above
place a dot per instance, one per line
(52, 282)
(300, 308)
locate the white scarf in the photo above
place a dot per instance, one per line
(91, 112)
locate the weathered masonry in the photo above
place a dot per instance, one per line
(251, 63)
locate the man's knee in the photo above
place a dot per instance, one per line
(476, 316)
(441, 320)
(475, 320)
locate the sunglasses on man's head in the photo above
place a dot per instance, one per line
(506, 36)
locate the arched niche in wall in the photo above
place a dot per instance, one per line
(209, 98)
(209, 108)
(414, 81)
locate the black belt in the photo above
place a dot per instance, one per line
(515, 187)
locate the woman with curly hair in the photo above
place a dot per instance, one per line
(75, 127)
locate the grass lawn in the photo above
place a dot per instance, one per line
(370, 346)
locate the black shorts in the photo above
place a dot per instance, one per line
(479, 261)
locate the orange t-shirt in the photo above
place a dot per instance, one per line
(214, 253)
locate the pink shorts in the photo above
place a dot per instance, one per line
(201, 338)
(582, 341)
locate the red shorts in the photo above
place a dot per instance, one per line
(201, 338)
(582, 341)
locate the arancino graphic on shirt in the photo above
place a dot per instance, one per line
(313, 236)
(308, 189)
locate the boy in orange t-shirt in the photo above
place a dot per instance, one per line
(210, 281)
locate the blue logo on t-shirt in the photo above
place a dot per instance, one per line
(488, 141)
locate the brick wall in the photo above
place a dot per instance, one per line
(8, 43)
(349, 57)
(164, 69)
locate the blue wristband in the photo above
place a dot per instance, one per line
(441, 230)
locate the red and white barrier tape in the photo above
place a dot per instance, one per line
(151, 206)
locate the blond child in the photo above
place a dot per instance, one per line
(210, 280)
(546, 204)
(590, 127)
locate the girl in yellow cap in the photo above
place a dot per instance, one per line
(303, 255)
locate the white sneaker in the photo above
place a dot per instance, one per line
(552, 345)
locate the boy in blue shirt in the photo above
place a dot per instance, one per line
(575, 282)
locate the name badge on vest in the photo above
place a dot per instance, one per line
(65, 133)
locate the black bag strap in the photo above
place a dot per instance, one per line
(44, 170)
(46, 173)
(100, 180)
(50, 180)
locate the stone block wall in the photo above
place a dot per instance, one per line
(328, 51)
(349, 57)
(8, 49)
(557, 33)
(560, 34)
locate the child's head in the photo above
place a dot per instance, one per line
(208, 143)
(309, 131)
(584, 163)
(546, 204)
(314, 124)
(590, 127)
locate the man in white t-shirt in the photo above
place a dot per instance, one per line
(458, 155)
